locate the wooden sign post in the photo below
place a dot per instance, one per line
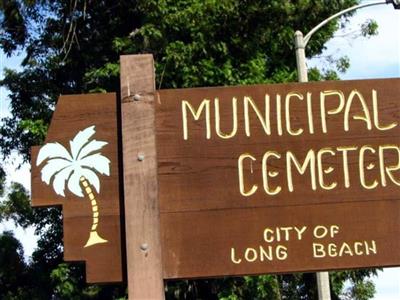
(225, 181)
(142, 219)
(257, 179)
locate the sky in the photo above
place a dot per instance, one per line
(376, 57)
(19, 172)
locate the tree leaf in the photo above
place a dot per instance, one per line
(81, 138)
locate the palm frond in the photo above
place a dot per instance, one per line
(81, 138)
(52, 167)
(96, 162)
(74, 182)
(66, 168)
(91, 147)
(60, 178)
(52, 150)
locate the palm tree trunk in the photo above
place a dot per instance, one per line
(94, 237)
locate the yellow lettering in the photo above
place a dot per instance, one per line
(233, 258)
(281, 252)
(205, 104)
(309, 161)
(370, 248)
(241, 176)
(250, 255)
(332, 250)
(321, 169)
(278, 234)
(346, 163)
(287, 112)
(334, 230)
(345, 249)
(265, 121)
(366, 117)
(218, 121)
(357, 250)
(323, 95)
(310, 114)
(286, 231)
(388, 169)
(300, 232)
(376, 114)
(268, 235)
(320, 231)
(318, 250)
(264, 254)
(279, 114)
(361, 168)
(267, 174)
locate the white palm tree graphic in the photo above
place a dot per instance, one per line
(77, 169)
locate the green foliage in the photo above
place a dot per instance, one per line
(68, 286)
(207, 43)
(2, 181)
(342, 64)
(17, 207)
(35, 127)
(74, 47)
(299, 286)
(65, 284)
(360, 287)
(14, 28)
(13, 268)
(31, 104)
(248, 287)
(97, 77)
(360, 290)
(369, 28)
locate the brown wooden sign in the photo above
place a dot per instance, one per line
(225, 181)
(77, 168)
(279, 178)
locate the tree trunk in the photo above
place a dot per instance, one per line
(94, 237)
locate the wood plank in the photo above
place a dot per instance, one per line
(199, 179)
(205, 250)
(192, 170)
(143, 246)
(74, 113)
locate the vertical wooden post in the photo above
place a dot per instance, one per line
(143, 247)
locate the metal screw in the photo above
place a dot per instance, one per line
(136, 97)
(144, 247)
(140, 157)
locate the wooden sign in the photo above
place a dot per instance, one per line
(279, 178)
(224, 181)
(77, 168)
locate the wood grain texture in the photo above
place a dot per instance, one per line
(144, 265)
(74, 113)
(189, 168)
(134, 81)
(203, 212)
(198, 244)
